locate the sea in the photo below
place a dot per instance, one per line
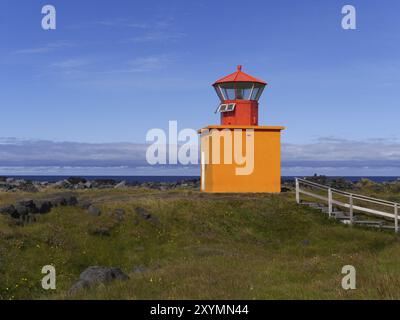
(179, 178)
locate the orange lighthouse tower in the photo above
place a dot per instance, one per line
(239, 155)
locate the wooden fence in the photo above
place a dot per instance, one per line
(383, 209)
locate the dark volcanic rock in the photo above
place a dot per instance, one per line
(76, 180)
(64, 200)
(78, 183)
(28, 187)
(336, 183)
(100, 231)
(139, 269)
(71, 200)
(143, 213)
(146, 215)
(97, 275)
(84, 204)
(27, 209)
(59, 201)
(21, 210)
(78, 286)
(64, 184)
(29, 205)
(119, 214)
(9, 210)
(103, 183)
(43, 206)
(94, 211)
(102, 274)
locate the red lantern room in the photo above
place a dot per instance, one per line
(239, 94)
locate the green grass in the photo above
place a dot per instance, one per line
(205, 247)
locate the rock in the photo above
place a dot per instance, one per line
(59, 201)
(85, 204)
(363, 183)
(43, 206)
(120, 185)
(103, 183)
(29, 205)
(102, 274)
(143, 213)
(94, 211)
(21, 211)
(76, 180)
(64, 200)
(97, 275)
(139, 269)
(28, 187)
(146, 215)
(13, 185)
(88, 185)
(337, 183)
(63, 184)
(133, 183)
(79, 186)
(9, 210)
(119, 214)
(162, 186)
(100, 231)
(78, 286)
(305, 242)
(71, 200)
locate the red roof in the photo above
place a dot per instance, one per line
(239, 76)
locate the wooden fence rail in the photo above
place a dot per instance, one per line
(330, 196)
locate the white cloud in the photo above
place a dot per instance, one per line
(122, 23)
(70, 63)
(332, 148)
(158, 36)
(45, 48)
(140, 64)
(110, 23)
(330, 156)
(149, 63)
(43, 152)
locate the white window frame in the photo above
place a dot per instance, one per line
(222, 92)
(226, 107)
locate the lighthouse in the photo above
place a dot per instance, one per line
(239, 155)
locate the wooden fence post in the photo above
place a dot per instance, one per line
(297, 191)
(351, 209)
(330, 202)
(396, 218)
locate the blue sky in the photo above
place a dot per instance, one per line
(112, 70)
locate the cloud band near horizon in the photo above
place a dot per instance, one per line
(329, 155)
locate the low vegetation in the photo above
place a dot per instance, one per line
(196, 246)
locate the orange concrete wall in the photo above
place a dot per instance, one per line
(266, 176)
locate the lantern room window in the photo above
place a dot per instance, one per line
(239, 91)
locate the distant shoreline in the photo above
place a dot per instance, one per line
(130, 179)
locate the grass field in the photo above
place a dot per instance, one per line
(204, 247)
